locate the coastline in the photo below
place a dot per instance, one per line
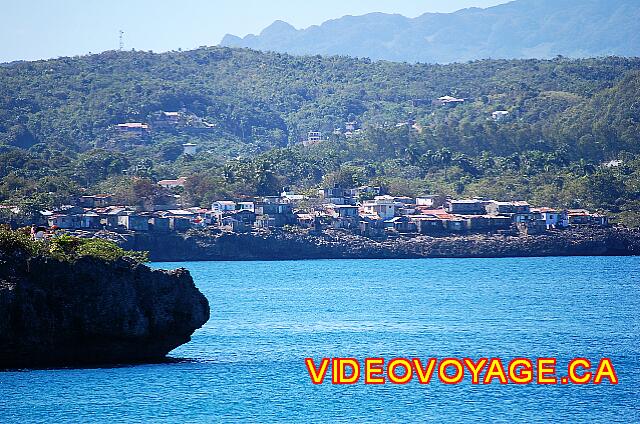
(340, 244)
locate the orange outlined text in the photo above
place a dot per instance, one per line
(460, 370)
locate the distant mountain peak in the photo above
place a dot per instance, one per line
(519, 29)
(277, 28)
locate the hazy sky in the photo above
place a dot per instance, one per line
(39, 29)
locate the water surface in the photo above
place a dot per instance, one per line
(247, 362)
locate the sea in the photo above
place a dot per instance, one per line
(247, 363)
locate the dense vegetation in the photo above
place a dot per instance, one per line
(567, 119)
(64, 247)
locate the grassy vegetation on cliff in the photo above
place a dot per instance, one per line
(65, 247)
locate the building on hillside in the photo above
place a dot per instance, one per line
(466, 207)
(179, 223)
(313, 137)
(428, 201)
(159, 224)
(428, 224)
(553, 218)
(189, 149)
(291, 197)
(246, 206)
(383, 206)
(447, 101)
(499, 208)
(179, 182)
(499, 115)
(132, 127)
(401, 224)
(134, 222)
(96, 201)
(337, 195)
(168, 119)
(221, 206)
(584, 217)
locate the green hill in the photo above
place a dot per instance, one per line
(248, 111)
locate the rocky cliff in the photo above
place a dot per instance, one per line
(335, 244)
(92, 311)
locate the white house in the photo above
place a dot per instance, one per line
(383, 206)
(499, 114)
(553, 218)
(223, 206)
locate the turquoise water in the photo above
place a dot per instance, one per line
(247, 363)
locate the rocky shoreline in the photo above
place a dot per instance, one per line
(341, 244)
(93, 312)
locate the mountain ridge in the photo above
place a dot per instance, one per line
(520, 29)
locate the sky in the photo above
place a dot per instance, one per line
(42, 29)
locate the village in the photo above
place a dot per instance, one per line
(365, 211)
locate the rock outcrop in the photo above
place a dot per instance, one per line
(91, 311)
(337, 244)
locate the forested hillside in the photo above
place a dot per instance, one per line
(566, 121)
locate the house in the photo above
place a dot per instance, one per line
(337, 195)
(466, 207)
(371, 226)
(173, 183)
(531, 227)
(500, 223)
(246, 206)
(96, 201)
(134, 222)
(343, 211)
(272, 212)
(344, 216)
(132, 127)
(265, 221)
(520, 217)
(110, 216)
(168, 119)
(383, 206)
(89, 220)
(401, 224)
(222, 206)
(427, 224)
(180, 213)
(313, 137)
(553, 218)
(233, 223)
(291, 197)
(159, 224)
(273, 208)
(497, 208)
(456, 225)
(244, 216)
(477, 223)
(448, 101)
(428, 201)
(189, 149)
(499, 114)
(584, 217)
(67, 222)
(178, 223)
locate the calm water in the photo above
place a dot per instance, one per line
(247, 362)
